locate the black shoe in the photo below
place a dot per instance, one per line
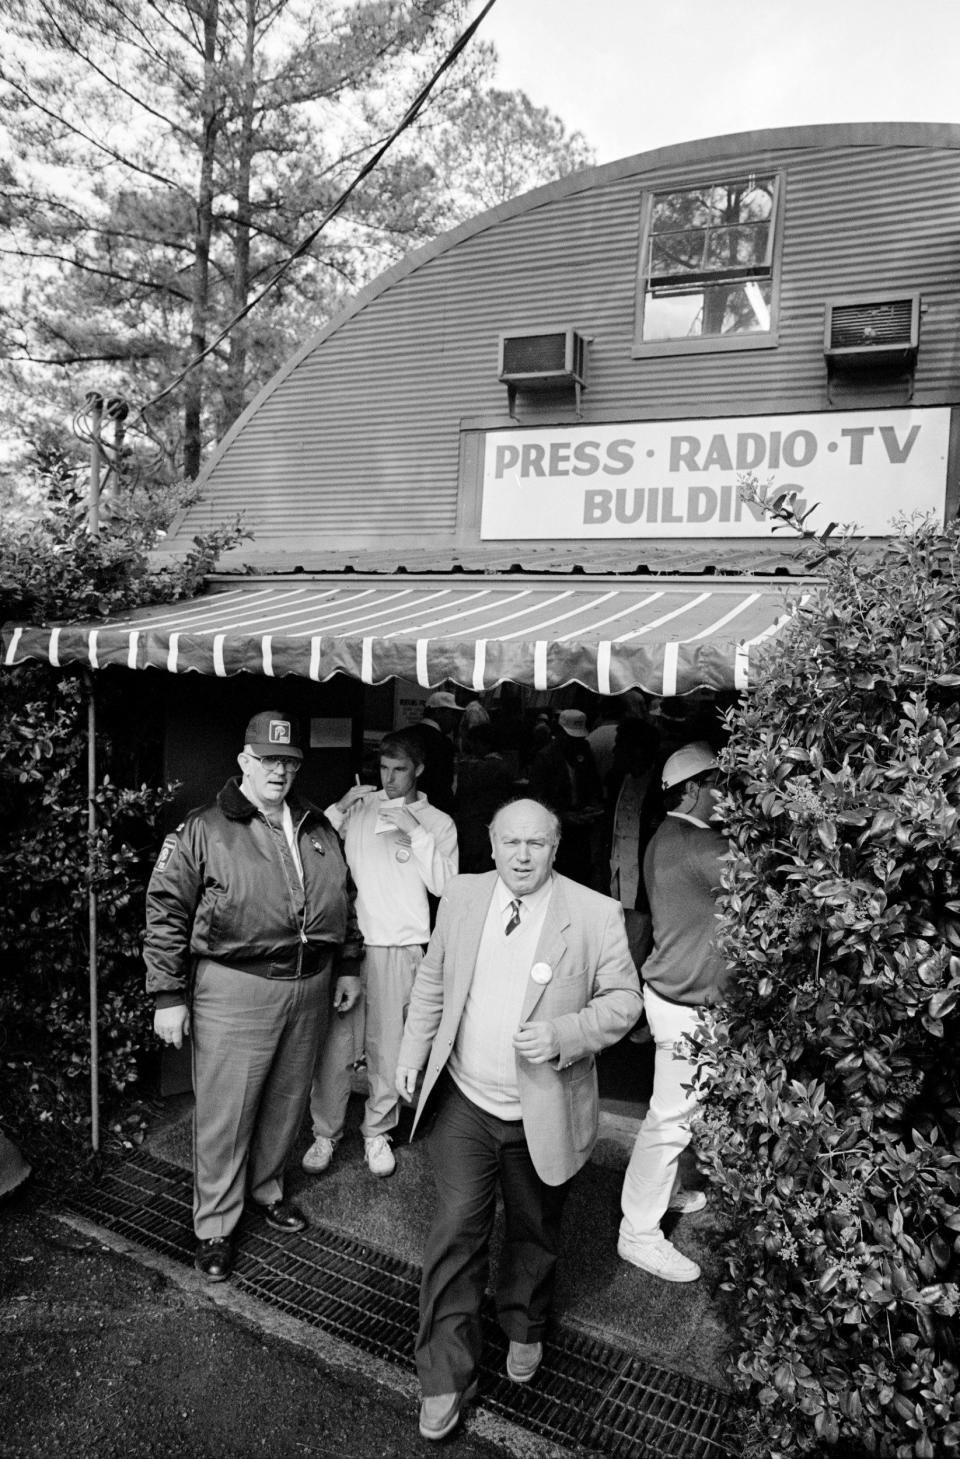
(214, 1259)
(283, 1217)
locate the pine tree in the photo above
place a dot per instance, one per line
(165, 159)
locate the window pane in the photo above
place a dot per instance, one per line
(756, 201)
(708, 263)
(699, 252)
(743, 247)
(747, 200)
(672, 211)
(722, 309)
(677, 253)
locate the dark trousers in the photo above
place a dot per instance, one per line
(472, 1153)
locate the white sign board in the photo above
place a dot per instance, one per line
(408, 703)
(682, 478)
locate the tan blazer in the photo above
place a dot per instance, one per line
(592, 999)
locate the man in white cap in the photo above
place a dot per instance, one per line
(250, 917)
(682, 976)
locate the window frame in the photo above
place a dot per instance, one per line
(713, 343)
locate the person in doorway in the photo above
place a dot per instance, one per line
(565, 777)
(250, 914)
(603, 735)
(682, 977)
(538, 737)
(526, 978)
(509, 733)
(398, 848)
(634, 795)
(484, 782)
(614, 710)
(474, 716)
(437, 732)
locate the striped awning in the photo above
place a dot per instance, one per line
(664, 635)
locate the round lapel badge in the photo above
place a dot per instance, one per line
(541, 972)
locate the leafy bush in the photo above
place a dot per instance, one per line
(832, 1131)
(52, 568)
(45, 865)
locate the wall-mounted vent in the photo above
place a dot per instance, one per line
(880, 329)
(543, 361)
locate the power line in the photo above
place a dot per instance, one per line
(409, 117)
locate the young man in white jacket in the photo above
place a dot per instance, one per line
(399, 848)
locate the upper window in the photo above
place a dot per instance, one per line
(707, 266)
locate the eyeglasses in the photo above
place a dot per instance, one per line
(276, 762)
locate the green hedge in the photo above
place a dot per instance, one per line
(45, 866)
(51, 567)
(832, 1131)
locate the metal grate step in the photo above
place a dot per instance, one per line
(588, 1394)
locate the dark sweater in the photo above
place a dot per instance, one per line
(681, 871)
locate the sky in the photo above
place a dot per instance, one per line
(633, 75)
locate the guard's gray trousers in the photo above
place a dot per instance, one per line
(255, 1043)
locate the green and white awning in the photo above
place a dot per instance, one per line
(663, 635)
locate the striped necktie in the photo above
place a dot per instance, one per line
(514, 917)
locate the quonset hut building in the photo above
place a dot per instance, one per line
(516, 456)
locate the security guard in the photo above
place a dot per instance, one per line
(250, 913)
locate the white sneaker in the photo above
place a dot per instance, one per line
(686, 1202)
(659, 1256)
(318, 1157)
(380, 1157)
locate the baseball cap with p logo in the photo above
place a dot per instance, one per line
(271, 732)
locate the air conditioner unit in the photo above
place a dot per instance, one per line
(544, 360)
(874, 329)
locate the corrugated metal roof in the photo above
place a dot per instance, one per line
(663, 635)
(358, 440)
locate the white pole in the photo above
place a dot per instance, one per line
(93, 522)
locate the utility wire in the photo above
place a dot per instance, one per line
(409, 117)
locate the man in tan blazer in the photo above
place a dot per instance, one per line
(527, 977)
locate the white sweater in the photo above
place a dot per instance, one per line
(392, 907)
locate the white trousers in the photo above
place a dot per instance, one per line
(376, 1024)
(665, 1133)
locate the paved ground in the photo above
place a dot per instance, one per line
(105, 1355)
(107, 1350)
(680, 1326)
